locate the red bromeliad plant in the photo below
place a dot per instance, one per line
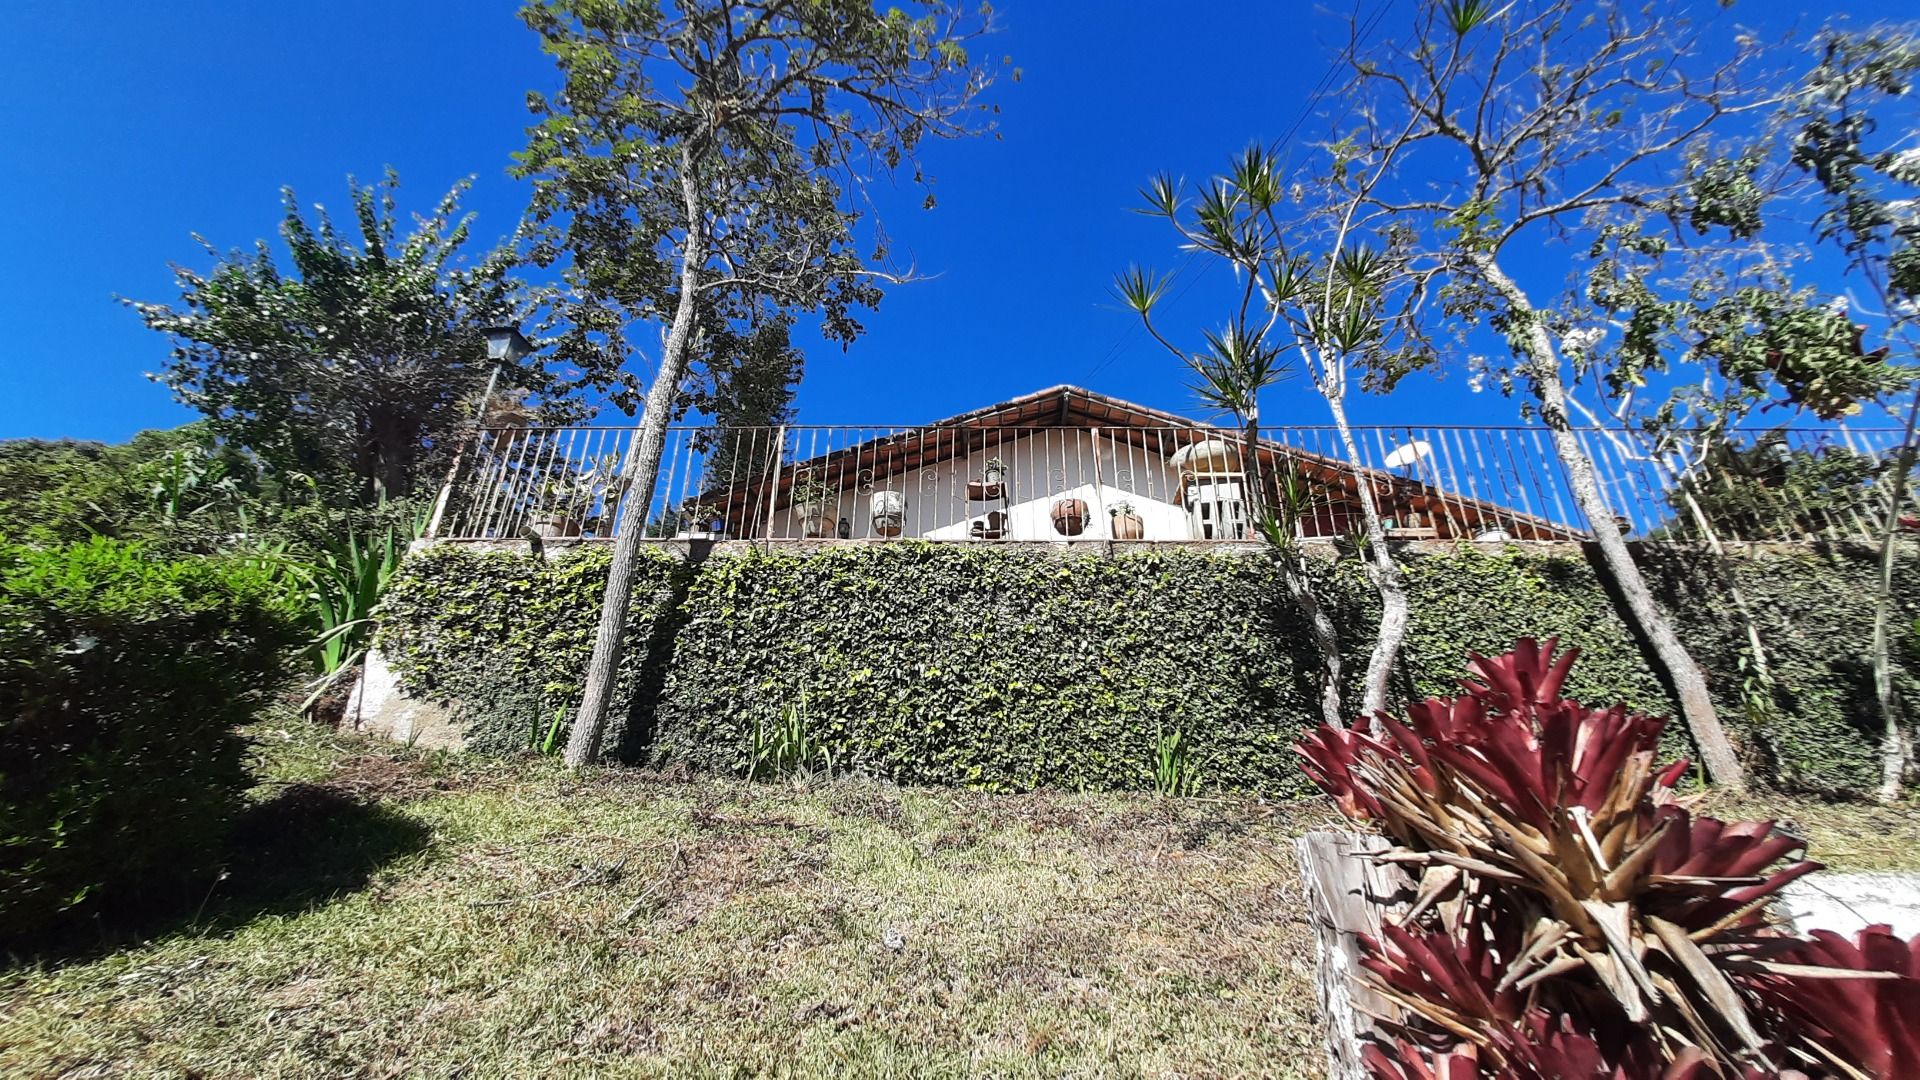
(1574, 919)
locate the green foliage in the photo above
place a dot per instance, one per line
(1762, 339)
(746, 384)
(179, 490)
(732, 137)
(506, 637)
(348, 578)
(786, 746)
(1849, 129)
(1015, 668)
(125, 676)
(1768, 490)
(1174, 770)
(356, 363)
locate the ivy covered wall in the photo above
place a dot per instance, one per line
(1016, 667)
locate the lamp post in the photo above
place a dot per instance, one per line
(505, 345)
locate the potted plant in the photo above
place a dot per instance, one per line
(813, 500)
(1070, 516)
(991, 484)
(889, 511)
(1127, 523)
(559, 507)
(698, 521)
(598, 491)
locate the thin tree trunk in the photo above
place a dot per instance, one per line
(1299, 585)
(1326, 637)
(1893, 744)
(1394, 613)
(1689, 684)
(642, 470)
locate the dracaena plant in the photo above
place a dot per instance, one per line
(1574, 918)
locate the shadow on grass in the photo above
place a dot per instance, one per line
(306, 846)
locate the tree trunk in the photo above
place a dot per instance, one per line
(1299, 584)
(1326, 637)
(1689, 684)
(1394, 613)
(1893, 744)
(641, 472)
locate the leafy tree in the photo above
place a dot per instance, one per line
(358, 359)
(746, 386)
(1550, 119)
(1713, 282)
(1771, 491)
(1850, 128)
(703, 166)
(179, 491)
(1289, 308)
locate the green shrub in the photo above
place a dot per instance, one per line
(505, 637)
(122, 679)
(1013, 667)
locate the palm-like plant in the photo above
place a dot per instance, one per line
(1320, 312)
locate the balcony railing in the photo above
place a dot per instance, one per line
(1159, 483)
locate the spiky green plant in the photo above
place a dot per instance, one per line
(1175, 772)
(787, 746)
(346, 582)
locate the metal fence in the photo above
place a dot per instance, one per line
(1174, 483)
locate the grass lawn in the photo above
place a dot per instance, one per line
(395, 914)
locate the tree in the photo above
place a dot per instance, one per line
(1540, 119)
(1322, 308)
(178, 491)
(1851, 125)
(746, 387)
(705, 161)
(1716, 280)
(357, 359)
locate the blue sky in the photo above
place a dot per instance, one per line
(133, 125)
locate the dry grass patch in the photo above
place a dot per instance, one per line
(623, 925)
(424, 915)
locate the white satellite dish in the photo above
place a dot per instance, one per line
(1206, 456)
(1413, 453)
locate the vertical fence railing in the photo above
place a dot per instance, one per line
(1162, 483)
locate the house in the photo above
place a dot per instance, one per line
(1068, 463)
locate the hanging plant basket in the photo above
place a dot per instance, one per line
(1070, 517)
(1128, 525)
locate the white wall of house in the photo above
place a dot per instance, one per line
(1042, 468)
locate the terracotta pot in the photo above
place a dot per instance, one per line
(1070, 517)
(555, 526)
(1128, 527)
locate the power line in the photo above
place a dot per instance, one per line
(1273, 150)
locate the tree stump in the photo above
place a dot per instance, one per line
(1348, 895)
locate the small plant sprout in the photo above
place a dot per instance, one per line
(1175, 772)
(787, 747)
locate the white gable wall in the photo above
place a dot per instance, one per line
(1042, 468)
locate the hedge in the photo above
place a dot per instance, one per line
(506, 636)
(122, 679)
(1016, 667)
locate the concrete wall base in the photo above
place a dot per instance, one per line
(378, 707)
